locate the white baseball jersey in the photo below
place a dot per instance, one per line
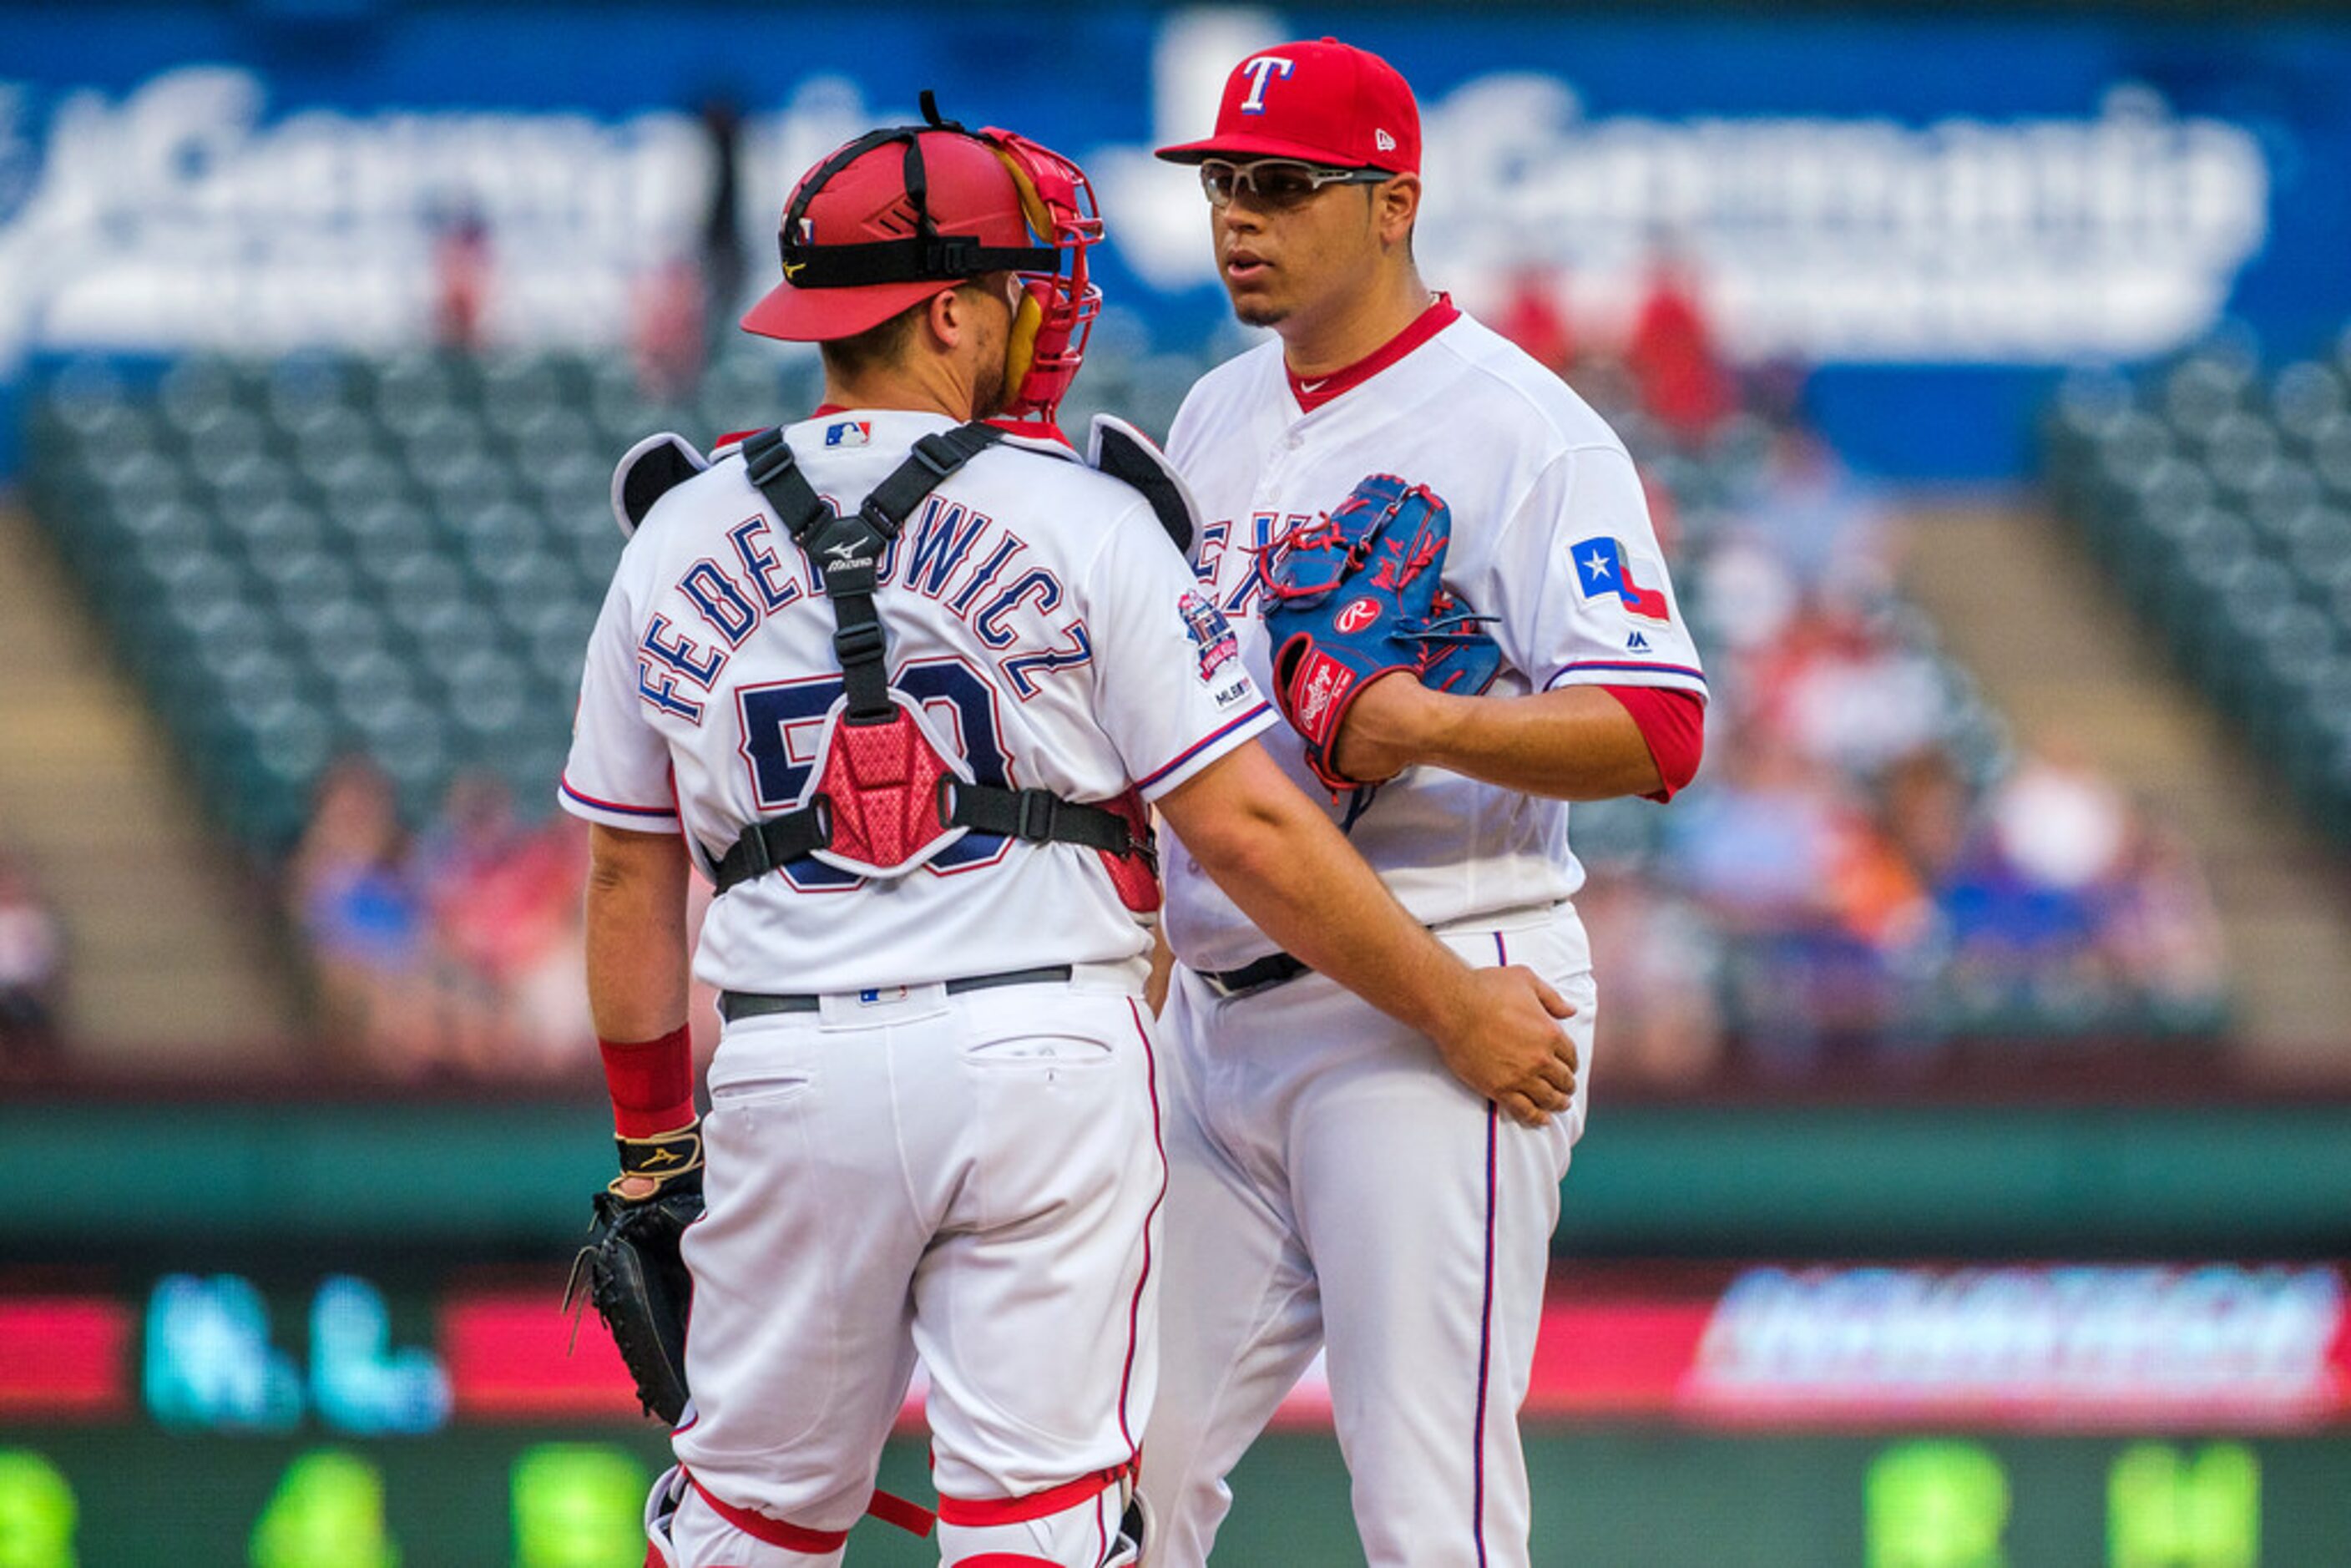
(1035, 610)
(1551, 535)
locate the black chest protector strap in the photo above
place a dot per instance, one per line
(845, 551)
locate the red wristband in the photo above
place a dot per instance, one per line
(651, 1082)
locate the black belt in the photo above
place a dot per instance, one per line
(734, 1005)
(1271, 971)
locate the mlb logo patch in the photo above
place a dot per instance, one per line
(1602, 567)
(848, 433)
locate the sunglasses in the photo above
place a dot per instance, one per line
(1277, 182)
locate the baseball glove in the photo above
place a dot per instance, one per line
(632, 1271)
(1354, 595)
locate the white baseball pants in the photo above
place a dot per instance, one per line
(1332, 1187)
(974, 1178)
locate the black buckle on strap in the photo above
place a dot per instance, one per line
(1034, 812)
(938, 455)
(768, 461)
(861, 641)
(951, 255)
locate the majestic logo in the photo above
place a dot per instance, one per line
(848, 433)
(1258, 71)
(1637, 643)
(1358, 615)
(1211, 633)
(1602, 567)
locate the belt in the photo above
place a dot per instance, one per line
(1271, 971)
(732, 1005)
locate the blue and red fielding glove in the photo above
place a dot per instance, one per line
(1354, 595)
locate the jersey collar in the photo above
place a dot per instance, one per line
(1311, 395)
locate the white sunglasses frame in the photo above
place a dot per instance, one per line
(1319, 176)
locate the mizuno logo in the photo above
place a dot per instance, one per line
(663, 1157)
(794, 269)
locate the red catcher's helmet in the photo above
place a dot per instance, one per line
(886, 221)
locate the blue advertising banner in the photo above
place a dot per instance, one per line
(1938, 214)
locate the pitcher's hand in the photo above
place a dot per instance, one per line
(1507, 1044)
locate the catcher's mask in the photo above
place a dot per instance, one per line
(868, 233)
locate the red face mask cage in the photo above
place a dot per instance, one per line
(1048, 344)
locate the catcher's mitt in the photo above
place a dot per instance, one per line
(632, 1271)
(1353, 596)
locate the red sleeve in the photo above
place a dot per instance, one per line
(1673, 723)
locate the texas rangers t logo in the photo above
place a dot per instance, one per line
(1259, 71)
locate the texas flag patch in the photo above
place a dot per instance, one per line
(1602, 565)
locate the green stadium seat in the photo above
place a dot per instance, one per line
(2318, 545)
(354, 482)
(467, 483)
(202, 388)
(279, 529)
(2304, 396)
(382, 537)
(250, 483)
(421, 583)
(333, 434)
(2205, 388)
(2240, 452)
(2289, 490)
(2330, 454)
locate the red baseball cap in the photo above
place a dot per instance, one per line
(854, 210)
(1325, 102)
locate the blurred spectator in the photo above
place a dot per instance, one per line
(457, 953)
(505, 902)
(665, 331)
(1824, 526)
(1532, 318)
(1664, 1025)
(2162, 930)
(461, 266)
(1828, 929)
(351, 898)
(721, 283)
(32, 973)
(1682, 383)
(1838, 691)
(2058, 823)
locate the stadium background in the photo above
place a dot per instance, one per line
(1971, 1156)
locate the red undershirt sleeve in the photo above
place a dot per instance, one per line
(1673, 724)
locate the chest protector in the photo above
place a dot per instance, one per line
(886, 793)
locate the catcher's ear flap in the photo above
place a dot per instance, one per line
(1040, 217)
(648, 471)
(1020, 344)
(1125, 453)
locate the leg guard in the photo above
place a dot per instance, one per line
(685, 1526)
(1093, 1522)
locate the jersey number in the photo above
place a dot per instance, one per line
(771, 712)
